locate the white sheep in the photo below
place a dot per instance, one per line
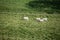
(39, 19)
(45, 19)
(26, 18)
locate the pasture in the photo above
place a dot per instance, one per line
(13, 27)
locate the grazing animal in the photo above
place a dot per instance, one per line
(26, 18)
(39, 19)
(45, 19)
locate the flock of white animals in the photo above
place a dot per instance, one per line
(38, 19)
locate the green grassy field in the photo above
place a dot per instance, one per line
(13, 5)
(13, 27)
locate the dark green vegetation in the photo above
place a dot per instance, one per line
(13, 27)
(49, 6)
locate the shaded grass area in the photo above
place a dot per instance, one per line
(13, 27)
(22, 6)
